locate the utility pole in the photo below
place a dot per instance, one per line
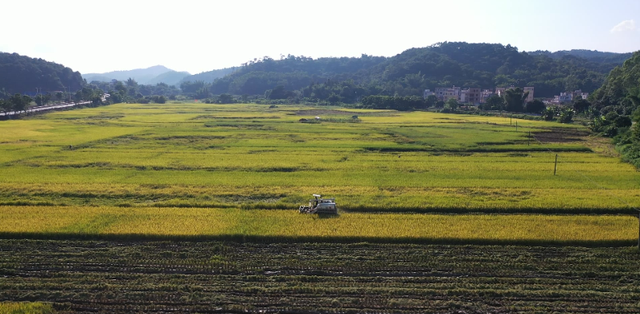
(555, 167)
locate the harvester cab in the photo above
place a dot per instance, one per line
(320, 205)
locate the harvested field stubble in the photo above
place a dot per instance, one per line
(125, 277)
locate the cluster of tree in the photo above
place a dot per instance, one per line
(615, 108)
(513, 100)
(155, 98)
(402, 103)
(221, 99)
(90, 93)
(196, 89)
(15, 103)
(19, 102)
(561, 114)
(22, 74)
(411, 72)
(131, 91)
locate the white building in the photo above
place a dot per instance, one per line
(446, 93)
(486, 94)
(427, 93)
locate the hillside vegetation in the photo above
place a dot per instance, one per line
(209, 76)
(416, 69)
(616, 109)
(608, 59)
(22, 74)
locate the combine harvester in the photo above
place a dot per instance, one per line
(320, 205)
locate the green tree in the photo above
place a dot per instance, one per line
(159, 99)
(536, 106)
(566, 115)
(634, 97)
(334, 99)
(41, 99)
(451, 104)
(115, 97)
(225, 99)
(278, 93)
(581, 105)
(494, 102)
(5, 105)
(622, 121)
(549, 113)
(20, 102)
(514, 99)
(431, 101)
(202, 93)
(77, 97)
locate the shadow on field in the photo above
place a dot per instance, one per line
(241, 238)
(328, 216)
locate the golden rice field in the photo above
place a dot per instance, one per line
(215, 223)
(212, 170)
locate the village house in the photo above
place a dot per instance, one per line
(471, 95)
(446, 93)
(568, 97)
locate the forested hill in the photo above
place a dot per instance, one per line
(22, 74)
(416, 69)
(621, 86)
(209, 76)
(591, 55)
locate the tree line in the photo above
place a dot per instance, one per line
(20, 103)
(614, 109)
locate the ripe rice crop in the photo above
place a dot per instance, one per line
(177, 158)
(214, 223)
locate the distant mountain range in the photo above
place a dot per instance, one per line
(149, 76)
(158, 74)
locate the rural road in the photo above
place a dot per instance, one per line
(45, 108)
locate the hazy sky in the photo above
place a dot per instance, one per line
(196, 36)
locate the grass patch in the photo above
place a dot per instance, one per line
(26, 308)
